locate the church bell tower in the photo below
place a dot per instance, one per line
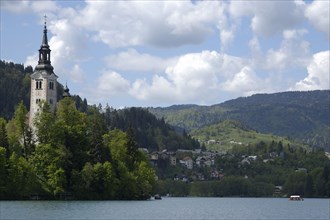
(43, 80)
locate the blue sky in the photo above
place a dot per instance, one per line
(160, 53)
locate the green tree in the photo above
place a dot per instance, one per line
(96, 129)
(22, 131)
(49, 162)
(319, 182)
(132, 149)
(21, 181)
(72, 127)
(4, 137)
(3, 173)
(45, 125)
(295, 183)
(145, 179)
(309, 189)
(135, 177)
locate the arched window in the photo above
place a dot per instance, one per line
(51, 85)
(38, 84)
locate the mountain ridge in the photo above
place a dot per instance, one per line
(301, 115)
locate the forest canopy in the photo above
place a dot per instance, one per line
(72, 154)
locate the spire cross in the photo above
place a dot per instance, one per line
(45, 16)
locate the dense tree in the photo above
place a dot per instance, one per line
(96, 129)
(45, 125)
(49, 164)
(21, 179)
(135, 177)
(19, 133)
(3, 172)
(4, 137)
(74, 155)
(149, 132)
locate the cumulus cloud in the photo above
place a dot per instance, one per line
(200, 78)
(245, 82)
(294, 51)
(161, 24)
(138, 31)
(318, 14)
(160, 90)
(132, 60)
(318, 73)
(269, 17)
(111, 83)
(68, 44)
(193, 77)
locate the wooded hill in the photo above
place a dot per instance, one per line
(303, 116)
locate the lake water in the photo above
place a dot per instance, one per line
(169, 208)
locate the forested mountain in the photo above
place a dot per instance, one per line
(303, 116)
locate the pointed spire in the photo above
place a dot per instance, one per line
(44, 52)
(44, 38)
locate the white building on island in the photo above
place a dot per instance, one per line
(43, 81)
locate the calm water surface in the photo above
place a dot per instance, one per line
(169, 208)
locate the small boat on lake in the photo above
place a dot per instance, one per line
(296, 198)
(158, 196)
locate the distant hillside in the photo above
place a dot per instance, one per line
(225, 135)
(14, 87)
(150, 132)
(304, 116)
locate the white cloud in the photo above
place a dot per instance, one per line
(226, 37)
(44, 6)
(111, 83)
(197, 78)
(269, 17)
(68, 45)
(76, 74)
(192, 78)
(32, 60)
(318, 73)
(293, 52)
(24, 6)
(156, 23)
(160, 90)
(245, 82)
(132, 60)
(318, 14)
(15, 6)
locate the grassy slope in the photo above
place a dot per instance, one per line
(225, 132)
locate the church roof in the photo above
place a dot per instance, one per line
(66, 92)
(43, 74)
